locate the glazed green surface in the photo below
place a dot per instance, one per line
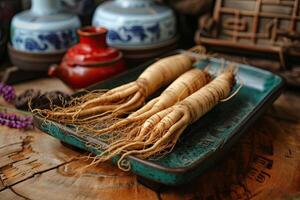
(206, 140)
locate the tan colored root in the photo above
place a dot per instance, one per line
(164, 142)
(114, 97)
(134, 136)
(125, 98)
(137, 100)
(121, 88)
(139, 142)
(87, 110)
(112, 115)
(145, 108)
(134, 102)
(148, 111)
(160, 133)
(92, 106)
(179, 125)
(182, 87)
(165, 121)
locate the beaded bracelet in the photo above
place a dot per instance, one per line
(12, 120)
(15, 121)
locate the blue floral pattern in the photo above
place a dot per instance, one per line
(155, 30)
(138, 32)
(115, 36)
(44, 41)
(33, 45)
(51, 38)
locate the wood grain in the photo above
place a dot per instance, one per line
(264, 164)
(25, 154)
(104, 182)
(10, 195)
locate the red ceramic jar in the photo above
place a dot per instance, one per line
(90, 61)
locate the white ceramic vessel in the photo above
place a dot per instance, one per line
(133, 23)
(44, 29)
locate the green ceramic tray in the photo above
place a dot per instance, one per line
(204, 142)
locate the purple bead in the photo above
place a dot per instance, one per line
(8, 92)
(14, 121)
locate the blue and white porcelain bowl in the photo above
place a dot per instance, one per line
(44, 29)
(134, 23)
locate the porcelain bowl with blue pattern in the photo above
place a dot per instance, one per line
(133, 23)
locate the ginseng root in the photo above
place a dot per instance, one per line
(159, 133)
(125, 98)
(183, 86)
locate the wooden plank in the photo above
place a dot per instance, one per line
(72, 182)
(24, 154)
(10, 195)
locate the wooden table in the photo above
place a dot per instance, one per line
(265, 164)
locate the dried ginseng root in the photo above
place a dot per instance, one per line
(125, 98)
(159, 133)
(182, 87)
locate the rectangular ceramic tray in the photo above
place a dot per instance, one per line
(204, 142)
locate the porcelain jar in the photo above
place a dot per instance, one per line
(134, 23)
(90, 61)
(44, 28)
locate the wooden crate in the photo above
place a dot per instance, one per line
(267, 29)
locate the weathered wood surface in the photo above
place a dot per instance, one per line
(265, 164)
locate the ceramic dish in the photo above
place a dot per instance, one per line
(205, 141)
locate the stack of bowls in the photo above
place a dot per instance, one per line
(40, 36)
